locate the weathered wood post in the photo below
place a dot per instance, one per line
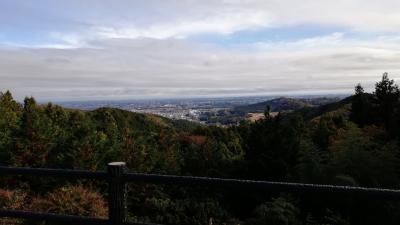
(117, 193)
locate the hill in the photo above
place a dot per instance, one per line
(283, 104)
(143, 122)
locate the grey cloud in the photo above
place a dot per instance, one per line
(141, 68)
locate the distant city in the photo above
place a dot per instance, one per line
(217, 111)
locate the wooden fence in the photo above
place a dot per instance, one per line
(118, 176)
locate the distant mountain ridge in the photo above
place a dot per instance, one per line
(284, 104)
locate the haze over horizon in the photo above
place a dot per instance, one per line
(87, 49)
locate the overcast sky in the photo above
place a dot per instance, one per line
(120, 49)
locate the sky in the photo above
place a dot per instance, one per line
(120, 49)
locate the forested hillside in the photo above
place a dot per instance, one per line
(283, 104)
(352, 142)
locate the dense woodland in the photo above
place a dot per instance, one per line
(352, 142)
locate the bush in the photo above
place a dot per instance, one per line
(72, 200)
(11, 200)
(279, 211)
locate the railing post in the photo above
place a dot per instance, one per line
(117, 193)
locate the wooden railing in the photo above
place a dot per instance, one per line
(117, 177)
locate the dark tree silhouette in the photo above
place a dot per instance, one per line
(387, 94)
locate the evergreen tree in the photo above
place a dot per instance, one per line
(361, 107)
(387, 94)
(10, 117)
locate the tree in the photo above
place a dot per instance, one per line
(361, 108)
(10, 116)
(359, 90)
(386, 90)
(32, 143)
(387, 94)
(267, 112)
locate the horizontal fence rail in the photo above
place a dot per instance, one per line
(67, 219)
(117, 177)
(262, 185)
(75, 174)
